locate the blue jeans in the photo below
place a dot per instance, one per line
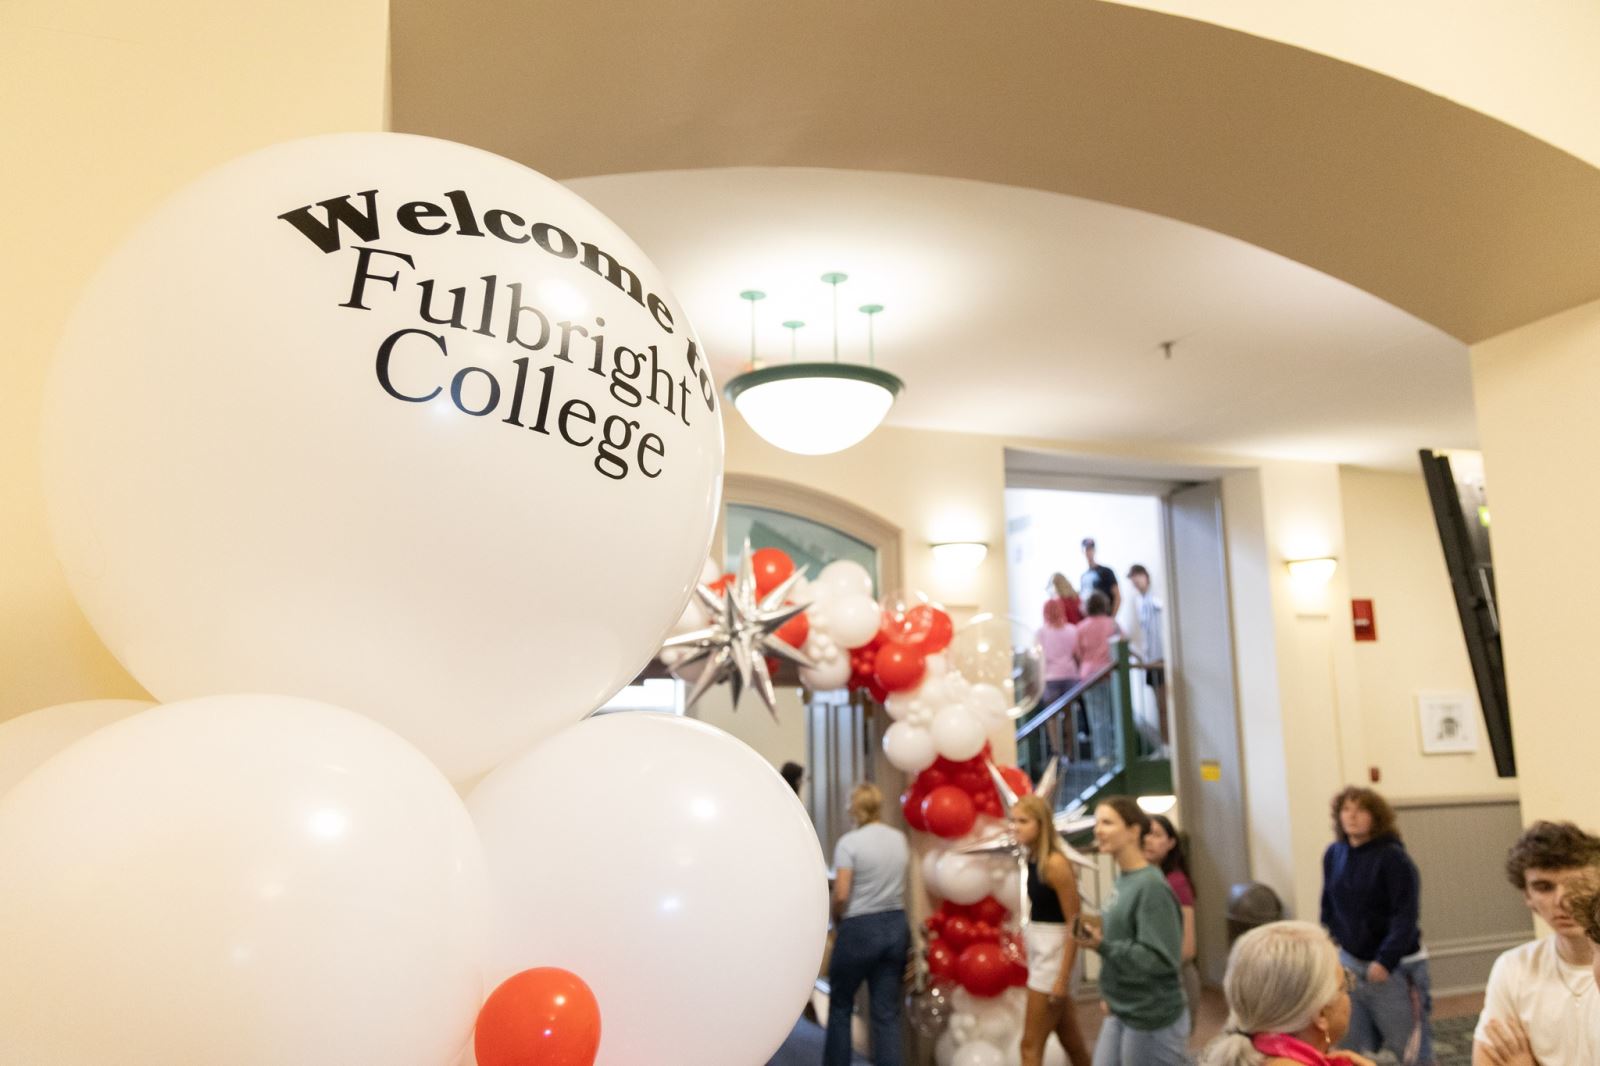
(1384, 1015)
(1122, 1045)
(871, 948)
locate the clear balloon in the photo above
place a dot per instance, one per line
(994, 650)
(652, 855)
(28, 740)
(251, 880)
(382, 458)
(928, 1010)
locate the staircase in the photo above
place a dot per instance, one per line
(1092, 734)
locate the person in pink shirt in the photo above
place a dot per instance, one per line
(1059, 640)
(1095, 634)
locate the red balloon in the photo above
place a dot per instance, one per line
(541, 1017)
(990, 910)
(934, 922)
(720, 585)
(948, 812)
(1019, 974)
(911, 807)
(984, 970)
(1016, 780)
(931, 778)
(957, 932)
(933, 626)
(956, 910)
(772, 566)
(974, 783)
(899, 667)
(984, 933)
(795, 631)
(941, 959)
(875, 690)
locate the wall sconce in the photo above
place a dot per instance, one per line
(959, 554)
(1313, 572)
(1157, 804)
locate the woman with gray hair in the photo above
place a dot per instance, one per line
(1288, 1000)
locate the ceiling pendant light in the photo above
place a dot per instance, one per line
(815, 408)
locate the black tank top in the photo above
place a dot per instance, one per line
(1044, 904)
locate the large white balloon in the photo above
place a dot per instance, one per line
(250, 880)
(842, 577)
(669, 866)
(908, 747)
(964, 879)
(853, 620)
(826, 676)
(30, 739)
(958, 733)
(389, 422)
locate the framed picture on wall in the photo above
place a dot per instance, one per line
(1449, 723)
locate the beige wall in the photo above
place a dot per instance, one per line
(1536, 390)
(1316, 711)
(105, 109)
(1300, 727)
(1395, 560)
(1531, 68)
(934, 486)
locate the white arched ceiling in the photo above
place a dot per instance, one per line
(701, 113)
(1017, 312)
(1467, 223)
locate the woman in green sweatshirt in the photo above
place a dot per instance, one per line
(1140, 942)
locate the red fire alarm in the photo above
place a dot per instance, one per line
(1366, 623)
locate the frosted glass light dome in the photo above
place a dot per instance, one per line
(814, 408)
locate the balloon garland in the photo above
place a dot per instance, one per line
(945, 687)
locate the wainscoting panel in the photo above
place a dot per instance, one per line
(1470, 914)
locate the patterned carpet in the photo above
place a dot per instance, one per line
(1452, 1042)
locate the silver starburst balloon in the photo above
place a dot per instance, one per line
(1003, 840)
(742, 633)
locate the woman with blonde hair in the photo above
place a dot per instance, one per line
(1053, 906)
(1288, 1000)
(1071, 605)
(871, 938)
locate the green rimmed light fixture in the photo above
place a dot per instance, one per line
(817, 408)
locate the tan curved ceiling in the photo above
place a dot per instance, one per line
(1467, 223)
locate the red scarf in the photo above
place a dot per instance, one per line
(1283, 1046)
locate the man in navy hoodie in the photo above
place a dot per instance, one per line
(1370, 897)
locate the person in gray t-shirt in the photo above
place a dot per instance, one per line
(871, 938)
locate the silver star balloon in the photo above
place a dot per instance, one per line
(742, 633)
(1003, 840)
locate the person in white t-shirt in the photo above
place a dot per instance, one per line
(1542, 1006)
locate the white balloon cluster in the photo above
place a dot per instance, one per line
(315, 429)
(842, 616)
(988, 1032)
(946, 715)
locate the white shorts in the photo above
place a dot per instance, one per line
(1047, 944)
